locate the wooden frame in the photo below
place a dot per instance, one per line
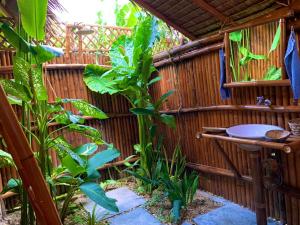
(229, 76)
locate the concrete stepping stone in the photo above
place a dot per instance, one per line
(138, 216)
(228, 214)
(126, 200)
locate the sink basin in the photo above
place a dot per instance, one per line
(251, 131)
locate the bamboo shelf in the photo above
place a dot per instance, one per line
(292, 143)
(259, 83)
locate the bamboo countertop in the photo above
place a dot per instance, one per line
(291, 144)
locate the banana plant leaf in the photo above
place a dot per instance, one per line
(276, 39)
(97, 194)
(33, 17)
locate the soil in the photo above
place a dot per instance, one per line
(158, 205)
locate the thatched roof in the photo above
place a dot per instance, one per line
(198, 18)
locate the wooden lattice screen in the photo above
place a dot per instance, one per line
(81, 42)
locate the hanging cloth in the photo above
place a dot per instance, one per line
(224, 92)
(292, 65)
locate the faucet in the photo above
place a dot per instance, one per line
(262, 101)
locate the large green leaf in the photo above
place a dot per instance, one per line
(95, 82)
(38, 84)
(90, 132)
(142, 111)
(101, 158)
(276, 39)
(168, 120)
(273, 73)
(236, 36)
(41, 54)
(86, 109)
(121, 52)
(97, 194)
(5, 159)
(163, 98)
(14, 38)
(73, 167)
(16, 89)
(33, 17)
(145, 34)
(86, 149)
(21, 70)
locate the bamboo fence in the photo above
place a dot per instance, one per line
(194, 76)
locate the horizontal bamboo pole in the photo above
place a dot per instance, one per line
(287, 189)
(285, 147)
(217, 171)
(259, 108)
(188, 47)
(8, 69)
(189, 55)
(259, 83)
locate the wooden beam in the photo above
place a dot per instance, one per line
(158, 14)
(28, 169)
(213, 11)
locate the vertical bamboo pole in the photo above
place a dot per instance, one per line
(259, 196)
(227, 57)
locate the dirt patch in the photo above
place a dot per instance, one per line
(159, 206)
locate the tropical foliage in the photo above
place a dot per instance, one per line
(79, 164)
(131, 76)
(241, 56)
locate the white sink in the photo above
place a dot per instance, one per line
(251, 131)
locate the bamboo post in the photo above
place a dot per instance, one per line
(28, 168)
(68, 42)
(258, 188)
(283, 43)
(227, 58)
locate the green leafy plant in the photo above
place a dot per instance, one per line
(178, 185)
(241, 55)
(131, 77)
(79, 164)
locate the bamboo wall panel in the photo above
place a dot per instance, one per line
(196, 84)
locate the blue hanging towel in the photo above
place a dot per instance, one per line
(225, 92)
(292, 65)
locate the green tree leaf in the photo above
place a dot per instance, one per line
(33, 17)
(101, 158)
(14, 38)
(5, 159)
(143, 111)
(97, 194)
(38, 84)
(90, 132)
(276, 39)
(86, 149)
(86, 109)
(168, 120)
(236, 36)
(16, 89)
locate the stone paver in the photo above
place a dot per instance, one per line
(132, 213)
(126, 200)
(138, 216)
(228, 214)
